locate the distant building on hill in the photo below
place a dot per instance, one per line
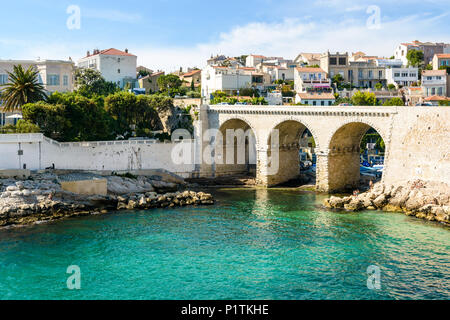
(115, 66)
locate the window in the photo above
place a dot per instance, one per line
(118, 70)
(66, 81)
(370, 74)
(404, 74)
(439, 91)
(314, 103)
(360, 73)
(433, 91)
(438, 78)
(53, 80)
(329, 103)
(413, 75)
(380, 74)
(397, 74)
(429, 78)
(333, 61)
(3, 78)
(322, 103)
(342, 61)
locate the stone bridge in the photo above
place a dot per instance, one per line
(417, 142)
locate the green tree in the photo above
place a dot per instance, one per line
(445, 68)
(24, 126)
(122, 107)
(87, 118)
(23, 87)
(391, 86)
(49, 117)
(394, 102)
(364, 99)
(143, 73)
(415, 58)
(378, 86)
(89, 83)
(169, 83)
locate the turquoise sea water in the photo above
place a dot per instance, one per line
(254, 244)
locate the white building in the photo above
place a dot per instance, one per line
(274, 98)
(434, 83)
(54, 75)
(315, 98)
(389, 63)
(310, 78)
(402, 76)
(229, 80)
(114, 65)
(253, 60)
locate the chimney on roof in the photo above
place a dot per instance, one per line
(88, 53)
(126, 50)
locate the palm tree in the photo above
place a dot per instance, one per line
(23, 88)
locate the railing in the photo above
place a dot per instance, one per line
(39, 137)
(21, 137)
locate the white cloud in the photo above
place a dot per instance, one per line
(285, 38)
(291, 36)
(111, 15)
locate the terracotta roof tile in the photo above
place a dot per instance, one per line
(113, 52)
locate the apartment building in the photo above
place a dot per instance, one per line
(54, 75)
(229, 80)
(434, 83)
(310, 79)
(402, 76)
(115, 66)
(441, 60)
(429, 49)
(364, 73)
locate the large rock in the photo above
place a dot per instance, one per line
(380, 201)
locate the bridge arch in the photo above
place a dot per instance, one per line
(235, 148)
(344, 154)
(284, 152)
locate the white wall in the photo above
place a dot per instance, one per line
(40, 152)
(110, 64)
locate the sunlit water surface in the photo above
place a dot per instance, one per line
(254, 244)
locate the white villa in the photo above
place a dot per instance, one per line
(228, 80)
(114, 65)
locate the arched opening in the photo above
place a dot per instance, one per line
(235, 152)
(356, 158)
(291, 148)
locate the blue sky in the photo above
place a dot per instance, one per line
(168, 34)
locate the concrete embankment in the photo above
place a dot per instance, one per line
(421, 199)
(41, 197)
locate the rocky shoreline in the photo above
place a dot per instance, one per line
(421, 199)
(40, 198)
